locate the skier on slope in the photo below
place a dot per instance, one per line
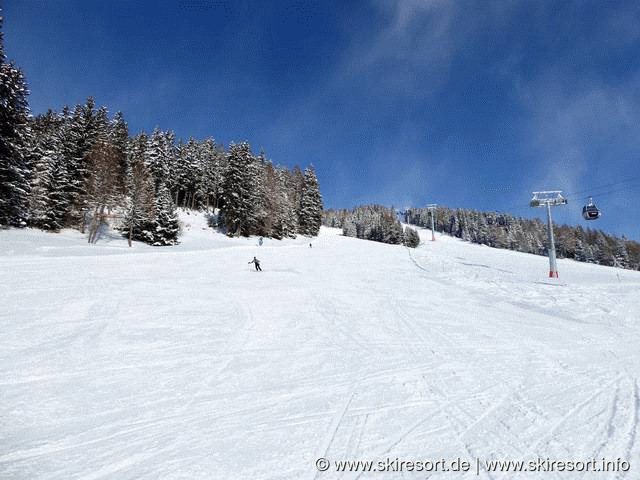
(257, 262)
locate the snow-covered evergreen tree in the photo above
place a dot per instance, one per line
(310, 213)
(289, 207)
(411, 237)
(14, 130)
(38, 191)
(75, 142)
(119, 138)
(188, 174)
(48, 203)
(604, 253)
(240, 190)
(296, 186)
(213, 160)
(620, 253)
(269, 204)
(166, 226)
(160, 155)
(141, 209)
(393, 232)
(371, 222)
(101, 128)
(57, 201)
(349, 229)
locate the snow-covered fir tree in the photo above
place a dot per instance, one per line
(140, 188)
(288, 217)
(411, 237)
(310, 213)
(75, 137)
(40, 169)
(47, 200)
(620, 253)
(14, 131)
(160, 155)
(240, 192)
(369, 222)
(187, 174)
(213, 161)
(119, 138)
(166, 227)
(295, 186)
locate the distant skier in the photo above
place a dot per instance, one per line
(257, 262)
(260, 241)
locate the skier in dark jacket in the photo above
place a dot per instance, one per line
(257, 262)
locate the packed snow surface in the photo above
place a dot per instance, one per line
(184, 362)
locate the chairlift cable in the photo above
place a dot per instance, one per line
(606, 190)
(598, 192)
(606, 186)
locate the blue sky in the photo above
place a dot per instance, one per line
(470, 103)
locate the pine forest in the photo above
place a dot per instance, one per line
(80, 168)
(498, 230)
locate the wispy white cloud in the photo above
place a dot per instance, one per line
(415, 31)
(583, 127)
(407, 49)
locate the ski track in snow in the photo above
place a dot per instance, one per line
(183, 362)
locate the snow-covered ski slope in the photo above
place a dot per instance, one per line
(184, 363)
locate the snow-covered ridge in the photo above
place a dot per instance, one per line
(183, 362)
